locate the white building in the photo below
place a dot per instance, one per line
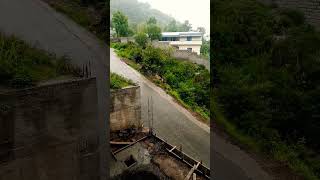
(190, 41)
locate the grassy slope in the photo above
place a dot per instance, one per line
(118, 82)
(22, 65)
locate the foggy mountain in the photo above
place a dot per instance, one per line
(138, 12)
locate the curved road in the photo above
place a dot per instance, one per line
(38, 24)
(175, 124)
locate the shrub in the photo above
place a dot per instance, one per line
(141, 38)
(118, 82)
(153, 60)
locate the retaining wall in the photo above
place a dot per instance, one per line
(50, 132)
(183, 54)
(125, 109)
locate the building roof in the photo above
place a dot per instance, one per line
(175, 34)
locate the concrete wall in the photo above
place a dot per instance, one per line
(311, 8)
(184, 54)
(126, 39)
(125, 108)
(195, 48)
(50, 132)
(192, 57)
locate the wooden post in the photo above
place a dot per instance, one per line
(191, 171)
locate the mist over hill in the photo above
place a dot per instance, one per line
(138, 12)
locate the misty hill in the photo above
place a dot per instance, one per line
(138, 12)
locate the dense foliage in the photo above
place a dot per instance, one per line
(205, 48)
(153, 30)
(118, 82)
(22, 65)
(141, 39)
(120, 24)
(267, 63)
(188, 82)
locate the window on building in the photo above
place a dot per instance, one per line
(189, 49)
(189, 38)
(164, 39)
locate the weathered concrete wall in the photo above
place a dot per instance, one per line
(183, 54)
(310, 8)
(50, 132)
(192, 57)
(126, 39)
(125, 108)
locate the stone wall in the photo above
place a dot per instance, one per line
(50, 132)
(125, 108)
(310, 8)
(184, 54)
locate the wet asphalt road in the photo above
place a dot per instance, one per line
(170, 121)
(179, 127)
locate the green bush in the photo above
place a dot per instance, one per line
(153, 60)
(142, 39)
(118, 82)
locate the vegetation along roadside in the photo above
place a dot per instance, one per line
(266, 92)
(187, 82)
(22, 65)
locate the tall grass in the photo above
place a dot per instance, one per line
(22, 65)
(118, 82)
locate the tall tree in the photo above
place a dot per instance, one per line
(152, 20)
(120, 23)
(153, 30)
(201, 29)
(186, 26)
(172, 26)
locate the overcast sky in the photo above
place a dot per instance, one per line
(196, 11)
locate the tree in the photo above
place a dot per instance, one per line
(153, 30)
(152, 20)
(153, 60)
(172, 26)
(205, 48)
(186, 26)
(201, 29)
(142, 27)
(141, 39)
(120, 23)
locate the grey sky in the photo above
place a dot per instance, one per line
(196, 11)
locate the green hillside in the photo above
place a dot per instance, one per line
(138, 12)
